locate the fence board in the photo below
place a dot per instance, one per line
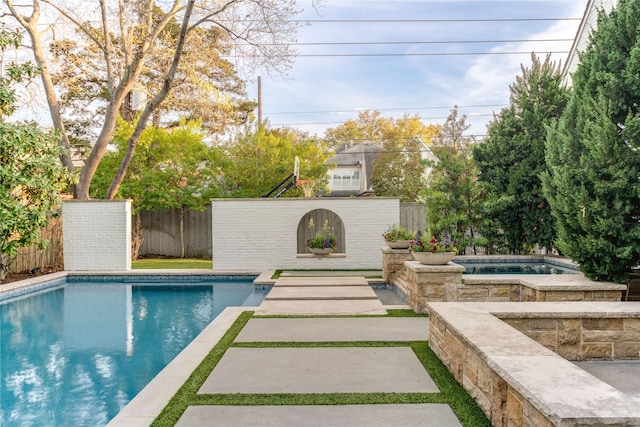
(413, 216)
(314, 222)
(30, 257)
(161, 233)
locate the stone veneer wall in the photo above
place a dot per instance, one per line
(97, 235)
(498, 365)
(422, 284)
(584, 338)
(501, 403)
(261, 234)
(393, 262)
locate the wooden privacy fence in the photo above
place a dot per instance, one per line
(164, 233)
(30, 257)
(413, 216)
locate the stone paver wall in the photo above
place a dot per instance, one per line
(584, 338)
(502, 404)
(393, 261)
(422, 284)
(518, 382)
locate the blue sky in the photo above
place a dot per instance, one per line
(323, 92)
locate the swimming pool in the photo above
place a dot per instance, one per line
(514, 265)
(77, 352)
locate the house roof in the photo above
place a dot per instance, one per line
(363, 155)
(351, 154)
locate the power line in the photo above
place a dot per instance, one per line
(354, 55)
(386, 109)
(418, 42)
(333, 123)
(401, 21)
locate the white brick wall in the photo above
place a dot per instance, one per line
(97, 235)
(260, 234)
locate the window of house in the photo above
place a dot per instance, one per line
(346, 179)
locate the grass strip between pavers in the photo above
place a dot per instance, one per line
(397, 312)
(451, 393)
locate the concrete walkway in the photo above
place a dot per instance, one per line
(275, 370)
(336, 295)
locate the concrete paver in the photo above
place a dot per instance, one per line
(321, 281)
(621, 374)
(319, 370)
(335, 329)
(408, 415)
(328, 273)
(321, 293)
(321, 308)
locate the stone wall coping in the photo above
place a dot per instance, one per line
(564, 393)
(543, 282)
(388, 250)
(450, 267)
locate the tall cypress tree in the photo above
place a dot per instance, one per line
(511, 159)
(593, 152)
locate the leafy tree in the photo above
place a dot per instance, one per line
(31, 175)
(259, 158)
(593, 153)
(453, 195)
(511, 159)
(127, 40)
(173, 168)
(398, 171)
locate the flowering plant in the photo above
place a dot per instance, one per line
(433, 244)
(323, 238)
(395, 233)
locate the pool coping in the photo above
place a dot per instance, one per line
(19, 287)
(154, 397)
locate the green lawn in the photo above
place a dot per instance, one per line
(171, 263)
(451, 393)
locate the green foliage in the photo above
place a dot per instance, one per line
(510, 160)
(172, 168)
(14, 73)
(31, 177)
(258, 159)
(453, 196)
(396, 232)
(593, 153)
(433, 244)
(399, 171)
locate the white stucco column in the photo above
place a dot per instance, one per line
(97, 235)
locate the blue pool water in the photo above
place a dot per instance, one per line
(77, 353)
(528, 267)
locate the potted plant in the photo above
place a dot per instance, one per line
(323, 242)
(433, 250)
(398, 237)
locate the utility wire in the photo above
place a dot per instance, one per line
(385, 109)
(416, 42)
(333, 123)
(354, 55)
(384, 21)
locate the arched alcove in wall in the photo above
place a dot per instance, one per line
(313, 221)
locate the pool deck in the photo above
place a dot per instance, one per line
(318, 370)
(334, 369)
